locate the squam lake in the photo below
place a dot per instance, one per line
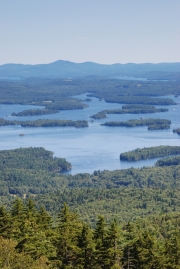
(96, 147)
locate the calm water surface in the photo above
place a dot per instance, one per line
(96, 147)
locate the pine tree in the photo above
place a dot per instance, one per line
(5, 223)
(112, 246)
(86, 245)
(69, 228)
(99, 237)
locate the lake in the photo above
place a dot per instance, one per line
(96, 147)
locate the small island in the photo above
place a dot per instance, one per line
(153, 124)
(53, 107)
(177, 131)
(149, 153)
(129, 109)
(46, 123)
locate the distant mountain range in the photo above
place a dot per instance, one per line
(66, 69)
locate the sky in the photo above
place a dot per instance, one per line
(101, 31)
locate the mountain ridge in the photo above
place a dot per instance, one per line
(66, 69)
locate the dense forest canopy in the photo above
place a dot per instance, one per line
(29, 238)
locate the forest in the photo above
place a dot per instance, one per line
(30, 238)
(55, 90)
(127, 194)
(149, 153)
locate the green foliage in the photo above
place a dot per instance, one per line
(152, 242)
(30, 170)
(169, 161)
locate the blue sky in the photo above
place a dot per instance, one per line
(102, 31)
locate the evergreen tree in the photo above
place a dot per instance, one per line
(99, 237)
(5, 223)
(86, 245)
(112, 245)
(69, 228)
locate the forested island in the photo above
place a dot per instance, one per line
(153, 124)
(52, 107)
(46, 123)
(129, 109)
(149, 153)
(35, 112)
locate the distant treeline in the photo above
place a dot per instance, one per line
(39, 91)
(129, 109)
(139, 100)
(151, 152)
(153, 124)
(46, 123)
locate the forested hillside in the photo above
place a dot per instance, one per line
(29, 238)
(126, 194)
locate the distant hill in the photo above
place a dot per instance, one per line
(66, 69)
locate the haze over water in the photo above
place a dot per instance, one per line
(96, 147)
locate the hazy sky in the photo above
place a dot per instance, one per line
(102, 31)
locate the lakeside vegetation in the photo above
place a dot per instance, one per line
(46, 123)
(129, 109)
(34, 173)
(153, 124)
(149, 153)
(169, 161)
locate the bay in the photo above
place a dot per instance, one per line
(96, 147)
